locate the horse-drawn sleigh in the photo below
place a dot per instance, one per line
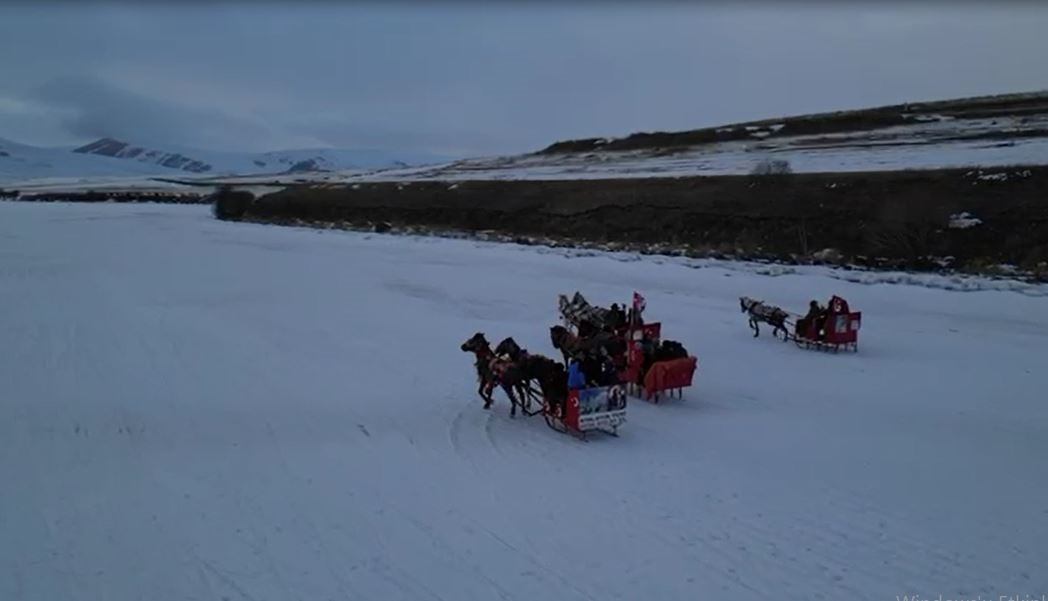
(539, 385)
(646, 365)
(831, 328)
(607, 355)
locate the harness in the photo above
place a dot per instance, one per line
(760, 309)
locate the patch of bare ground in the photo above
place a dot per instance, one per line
(960, 219)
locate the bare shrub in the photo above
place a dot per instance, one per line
(230, 204)
(772, 167)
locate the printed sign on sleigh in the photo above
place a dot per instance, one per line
(600, 400)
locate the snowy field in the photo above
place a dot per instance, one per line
(193, 409)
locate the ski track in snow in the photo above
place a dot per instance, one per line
(194, 409)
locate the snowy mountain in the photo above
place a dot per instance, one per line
(195, 160)
(109, 147)
(110, 157)
(22, 161)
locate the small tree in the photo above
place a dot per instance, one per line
(772, 167)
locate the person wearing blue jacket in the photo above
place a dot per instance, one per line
(576, 379)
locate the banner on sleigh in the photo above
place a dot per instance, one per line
(601, 408)
(602, 400)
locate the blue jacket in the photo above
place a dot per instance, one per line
(576, 379)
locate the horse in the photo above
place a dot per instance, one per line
(510, 348)
(492, 370)
(759, 311)
(564, 341)
(569, 344)
(551, 377)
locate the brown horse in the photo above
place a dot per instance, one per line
(569, 344)
(564, 341)
(492, 370)
(551, 377)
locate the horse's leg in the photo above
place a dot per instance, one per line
(508, 389)
(755, 326)
(485, 396)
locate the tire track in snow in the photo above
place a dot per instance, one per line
(541, 567)
(227, 579)
(908, 556)
(312, 535)
(458, 424)
(488, 426)
(809, 550)
(455, 431)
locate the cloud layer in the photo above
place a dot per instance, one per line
(470, 78)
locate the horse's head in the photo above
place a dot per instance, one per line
(556, 335)
(746, 304)
(509, 347)
(476, 344)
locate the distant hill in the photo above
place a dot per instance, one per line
(111, 157)
(1004, 109)
(992, 131)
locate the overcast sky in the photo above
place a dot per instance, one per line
(480, 78)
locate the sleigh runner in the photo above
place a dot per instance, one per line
(538, 385)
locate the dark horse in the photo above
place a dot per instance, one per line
(552, 379)
(571, 345)
(516, 375)
(550, 376)
(564, 341)
(511, 349)
(491, 370)
(759, 311)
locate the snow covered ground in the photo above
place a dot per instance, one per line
(194, 409)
